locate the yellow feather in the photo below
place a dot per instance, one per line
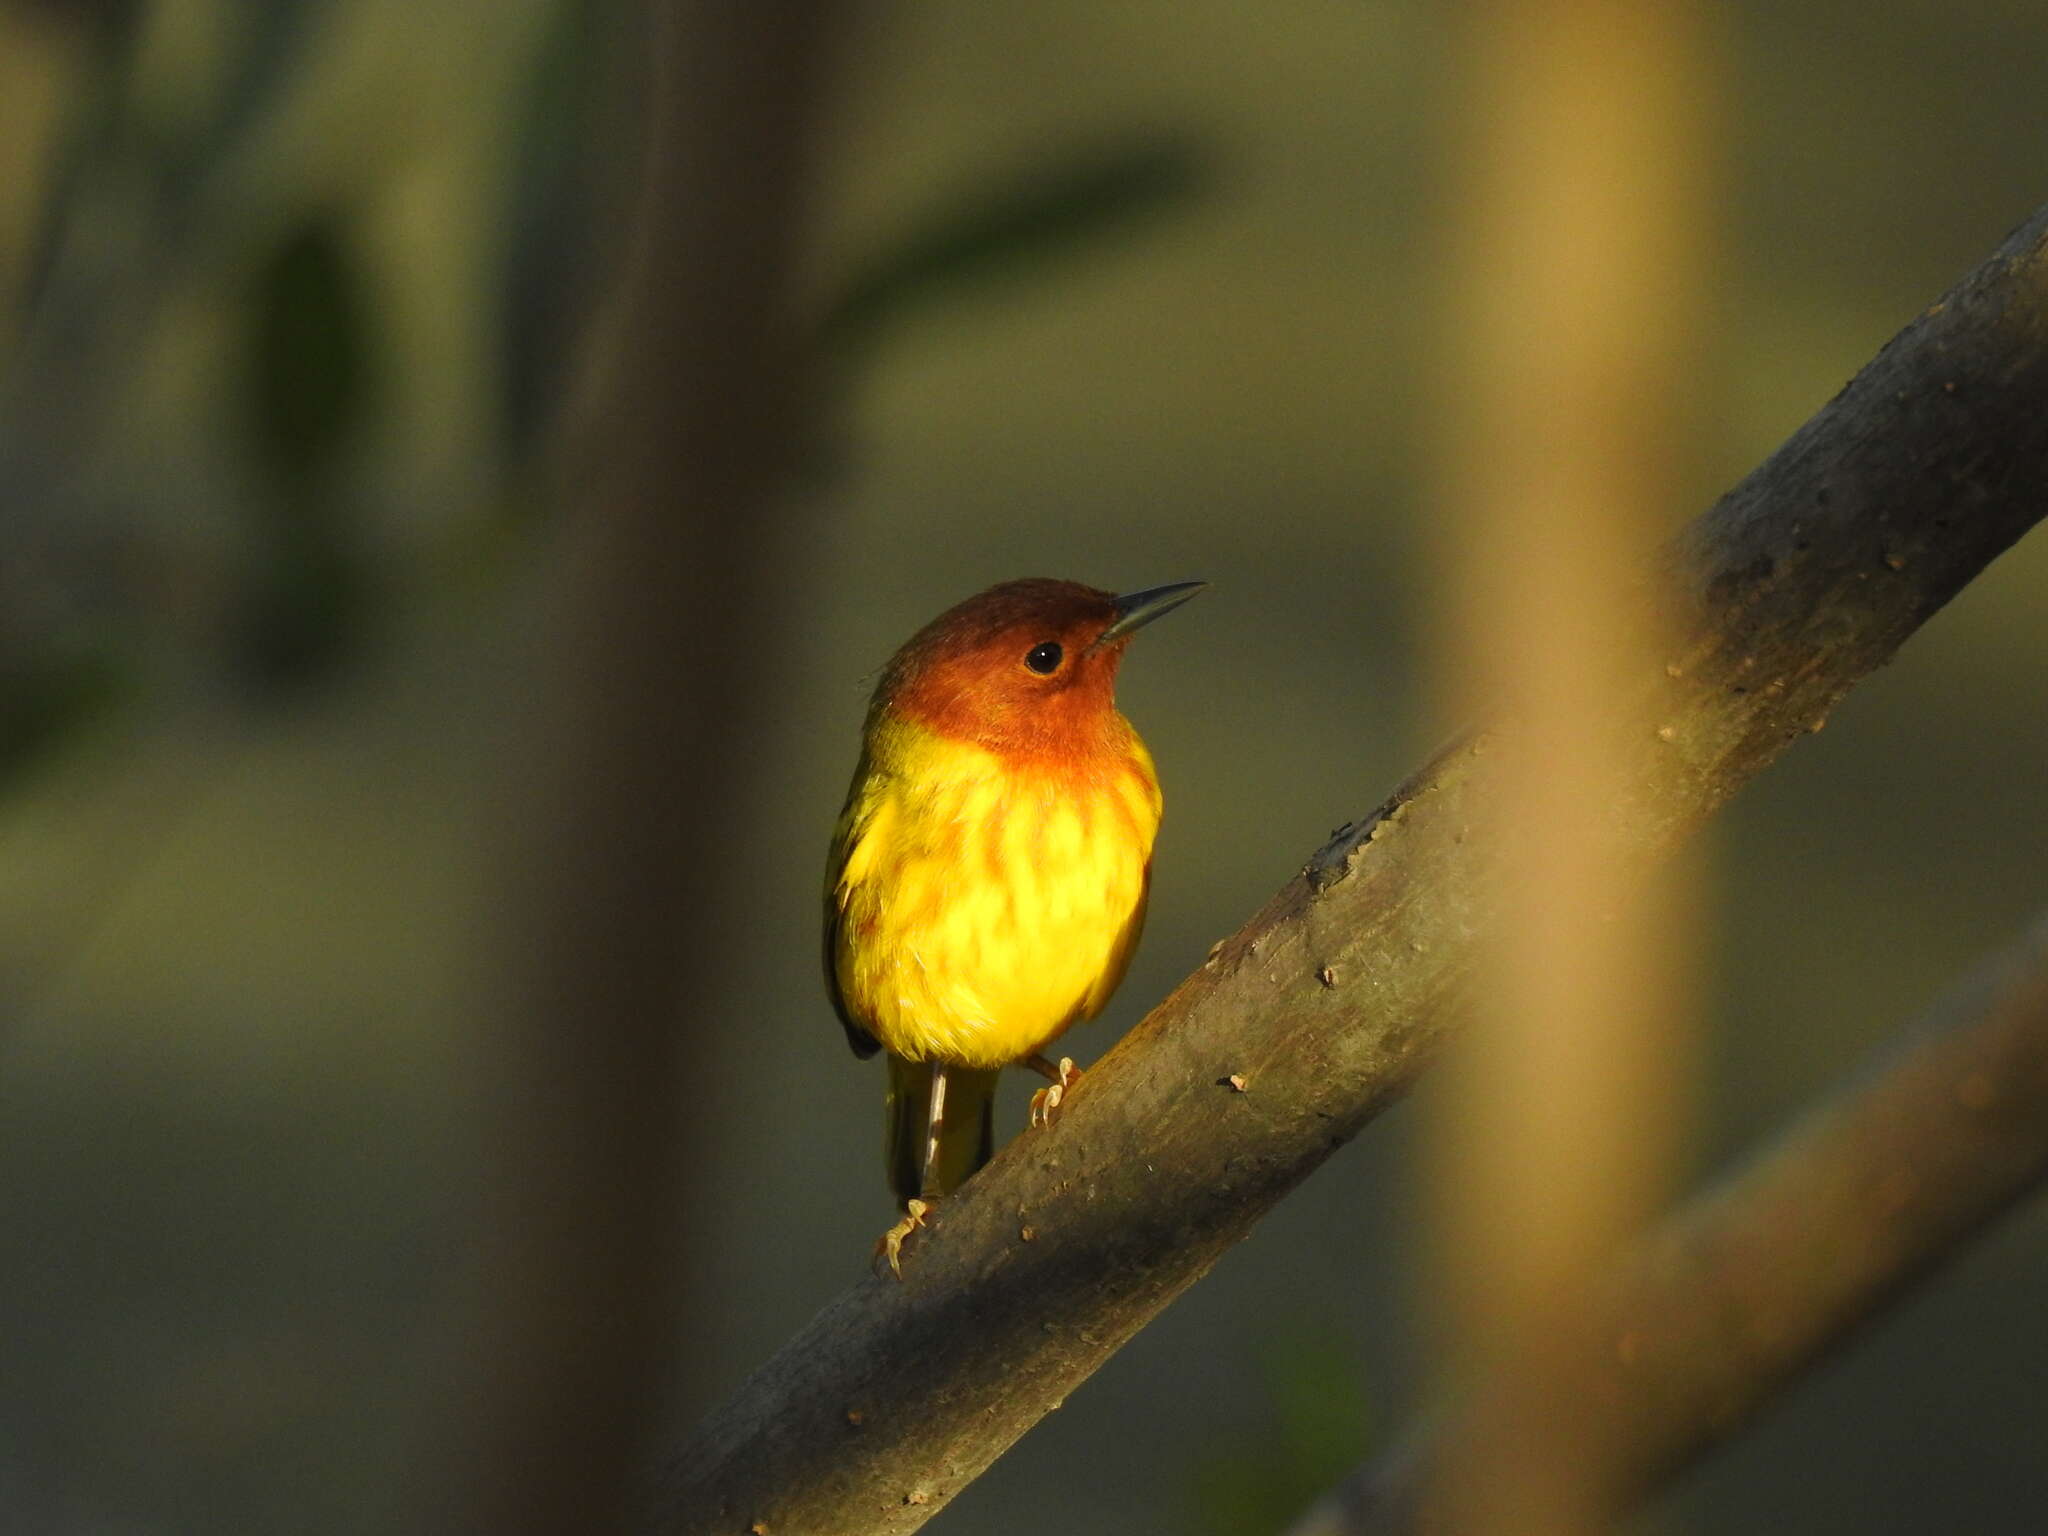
(979, 906)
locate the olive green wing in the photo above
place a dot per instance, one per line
(853, 820)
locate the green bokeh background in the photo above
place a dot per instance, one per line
(1127, 293)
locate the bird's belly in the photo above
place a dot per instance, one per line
(979, 955)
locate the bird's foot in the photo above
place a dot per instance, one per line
(1046, 1102)
(890, 1244)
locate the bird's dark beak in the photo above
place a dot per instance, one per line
(1134, 610)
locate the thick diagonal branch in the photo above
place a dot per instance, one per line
(1750, 1285)
(1330, 1001)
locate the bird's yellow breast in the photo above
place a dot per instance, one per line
(979, 906)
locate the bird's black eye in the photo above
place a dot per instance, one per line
(1044, 659)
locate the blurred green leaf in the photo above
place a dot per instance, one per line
(1317, 1424)
(309, 378)
(1016, 228)
(48, 700)
(310, 386)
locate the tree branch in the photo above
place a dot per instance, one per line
(636, 756)
(1750, 1285)
(1331, 1000)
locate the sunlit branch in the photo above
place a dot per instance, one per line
(1327, 1005)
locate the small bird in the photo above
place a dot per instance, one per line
(988, 876)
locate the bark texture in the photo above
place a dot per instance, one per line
(1323, 1008)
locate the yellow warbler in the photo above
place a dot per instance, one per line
(988, 877)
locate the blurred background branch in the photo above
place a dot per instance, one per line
(674, 590)
(1325, 1008)
(1578, 225)
(1733, 1299)
(1011, 227)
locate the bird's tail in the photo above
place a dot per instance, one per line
(931, 1155)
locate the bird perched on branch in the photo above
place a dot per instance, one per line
(988, 877)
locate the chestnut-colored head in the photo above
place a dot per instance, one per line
(1027, 668)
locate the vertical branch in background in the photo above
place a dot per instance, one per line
(1578, 188)
(672, 595)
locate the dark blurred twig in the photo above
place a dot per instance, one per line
(1753, 1283)
(1325, 1008)
(675, 590)
(1013, 224)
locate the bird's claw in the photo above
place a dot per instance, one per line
(890, 1244)
(1046, 1102)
